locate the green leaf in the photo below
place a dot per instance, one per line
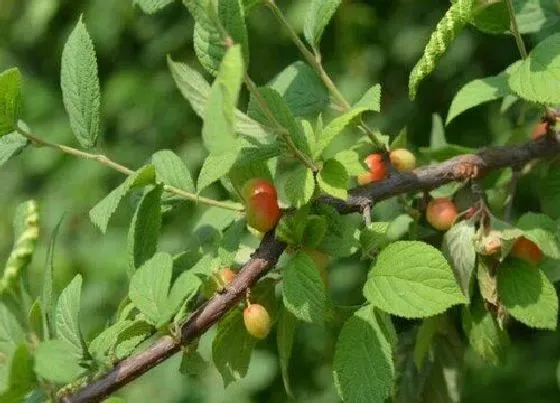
(185, 288)
(371, 100)
(551, 267)
(536, 78)
(152, 6)
(493, 18)
(57, 361)
(291, 227)
(67, 315)
(315, 231)
(318, 16)
(339, 240)
(47, 293)
(412, 279)
(351, 161)
(333, 179)
(232, 363)
(528, 294)
(285, 332)
(299, 186)
(485, 336)
(11, 333)
(101, 213)
(35, 320)
(21, 378)
(373, 238)
(399, 227)
(548, 190)
(459, 250)
(424, 340)
(149, 286)
(302, 89)
(10, 145)
(477, 92)
(437, 135)
(214, 167)
(10, 100)
(192, 363)
(537, 15)
(274, 109)
(303, 290)
(209, 40)
(171, 170)
(80, 85)
(229, 244)
(336, 126)
(542, 230)
(104, 343)
(131, 337)
(196, 90)
(363, 367)
(446, 152)
(144, 228)
(218, 130)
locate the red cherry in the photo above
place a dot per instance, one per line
(376, 167)
(227, 275)
(263, 212)
(441, 213)
(539, 130)
(527, 250)
(258, 185)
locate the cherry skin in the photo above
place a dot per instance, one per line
(263, 212)
(257, 321)
(365, 178)
(527, 250)
(539, 130)
(256, 186)
(403, 160)
(227, 275)
(377, 168)
(441, 213)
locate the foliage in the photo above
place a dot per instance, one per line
(374, 306)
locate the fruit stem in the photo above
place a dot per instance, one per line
(104, 160)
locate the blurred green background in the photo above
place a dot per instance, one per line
(367, 42)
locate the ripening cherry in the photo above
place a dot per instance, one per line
(492, 243)
(539, 130)
(377, 168)
(527, 250)
(261, 202)
(403, 160)
(257, 321)
(227, 275)
(365, 178)
(441, 213)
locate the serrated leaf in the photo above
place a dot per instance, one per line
(104, 343)
(302, 89)
(336, 126)
(548, 189)
(149, 285)
(459, 250)
(493, 18)
(363, 367)
(229, 244)
(477, 92)
(80, 85)
(536, 15)
(131, 337)
(285, 332)
(339, 240)
(299, 186)
(371, 100)
(303, 291)
(333, 179)
(542, 230)
(318, 16)
(536, 78)
(67, 315)
(399, 227)
(57, 361)
(232, 363)
(101, 213)
(315, 231)
(192, 363)
(528, 294)
(273, 111)
(551, 268)
(184, 288)
(373, 238)
(10, 101)
(291, 227)
(214, 167)
(171, 170)
(412, 279)
(351, 161)
(485, 336)
(11, 333)
(218, 129)
(21, 378)
(144, 228)
(152, 6)
(196, 90)
(10, 145)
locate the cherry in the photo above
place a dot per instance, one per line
(403, 160)
(492, 243)
(377, 168)
(441, 213)
(539, 130)
(365, 178)
(527, 250)
(257, 321)
(263, 212)
(256, 186)
(227, 275)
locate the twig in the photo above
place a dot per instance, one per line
(104, 160)
(515, 30)
(270, 249)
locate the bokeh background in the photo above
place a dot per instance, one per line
(142, 111)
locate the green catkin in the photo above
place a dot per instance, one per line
(459, 14)
(27, 233)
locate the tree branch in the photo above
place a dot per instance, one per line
(265, 257)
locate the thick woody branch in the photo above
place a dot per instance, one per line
(265, 257)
